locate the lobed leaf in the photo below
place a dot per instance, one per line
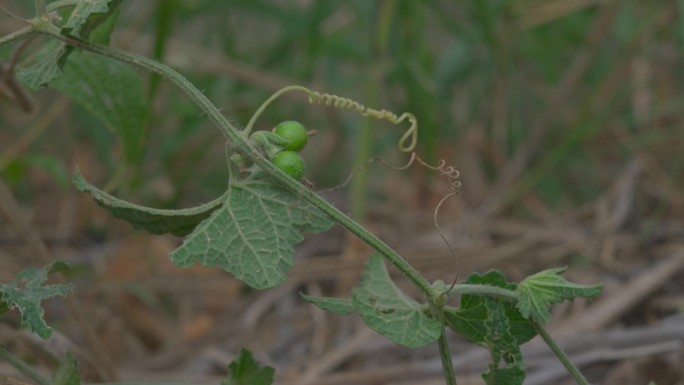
(496, 324)
(156, 221)
(539, 291)
(252, 235)
(88, 17)
(389, 311)
(470, 318)
(244, 370)
(26, 293)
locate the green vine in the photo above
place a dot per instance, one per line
(507, 297)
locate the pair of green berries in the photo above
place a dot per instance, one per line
(288, 159)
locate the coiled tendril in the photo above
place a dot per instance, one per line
(411, 134)
(349, 104)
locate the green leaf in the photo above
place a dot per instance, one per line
(539, 291)
(496, 324)
(67, 373)
(244, 370)
(333, 305)
(470, 318)
(111, 91)
(389, 311)
(89, 16)
(155, 221)
(252, 235)
(506, 366)
(26, 293)
(48, 64)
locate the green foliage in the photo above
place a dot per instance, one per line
(88, 15)
(26, 293)
(252, 234)
(155, 221)
(111, 91)
(83, 20)
(249, 231)
(471, 317)
(244, 370)
(334, 305)
(385, 308)
(67, 373)
(496, 324)
(539, 291)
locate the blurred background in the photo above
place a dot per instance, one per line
(564, 118)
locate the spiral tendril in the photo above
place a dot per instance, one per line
(349, 104)
(449, 172)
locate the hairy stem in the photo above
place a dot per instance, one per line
(23, 367)
(17, 35)
(241, 145)
(445, 356)
(492, 291)
(40, 9)
(572, 369)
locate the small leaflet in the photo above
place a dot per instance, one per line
(26, 293)
(539, 291)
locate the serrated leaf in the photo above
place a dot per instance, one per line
(470, 318)
(156, 221)
(88, 15)
(26, 294)
(67, 373)
(389, 311)
(111, 91)
(333, 305)
(244, 370)
(539, 291)
(94, 17)
(252, 235)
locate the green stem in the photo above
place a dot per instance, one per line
(17, 35)
(23, 367)
(241, 145)
(41, 11)
(572, 369)
(445, 356)
(493, 291)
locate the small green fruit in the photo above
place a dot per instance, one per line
(294, 133)
(291, 163)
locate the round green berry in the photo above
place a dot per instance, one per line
(291, 163)
(294, 133)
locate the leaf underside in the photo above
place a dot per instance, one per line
(156, 221)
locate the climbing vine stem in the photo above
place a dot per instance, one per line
(248, 151)
(572, 369)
